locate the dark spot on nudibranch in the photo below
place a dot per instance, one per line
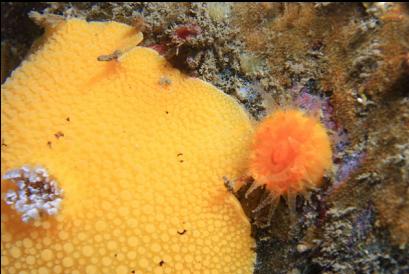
(67, 119)
(132, 271)
(165, 81)
(49, 144)
(59, 134)
(179, 155)
(183, 232)
(110, 57)
(167, 112)
(161, 262)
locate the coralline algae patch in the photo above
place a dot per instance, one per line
(140, 161)
(346, 160)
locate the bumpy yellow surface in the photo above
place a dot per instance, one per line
(141, 161)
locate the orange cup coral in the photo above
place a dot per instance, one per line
(290, 153)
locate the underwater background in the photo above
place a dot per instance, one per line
(345, 63)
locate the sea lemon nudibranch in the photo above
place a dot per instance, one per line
(290, 153)
(123, 158)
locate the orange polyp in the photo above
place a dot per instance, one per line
(290, 153)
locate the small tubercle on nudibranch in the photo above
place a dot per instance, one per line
(38, 193)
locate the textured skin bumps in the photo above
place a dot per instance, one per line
(140, 160)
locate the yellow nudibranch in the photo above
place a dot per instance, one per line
(137, 165)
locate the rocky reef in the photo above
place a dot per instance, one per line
(347, 62)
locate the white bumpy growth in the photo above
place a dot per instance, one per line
(37, 193)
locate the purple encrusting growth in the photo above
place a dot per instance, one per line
(322, 108)
(308, 101)
(350, 162)
(316, 104)
(362, 225)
